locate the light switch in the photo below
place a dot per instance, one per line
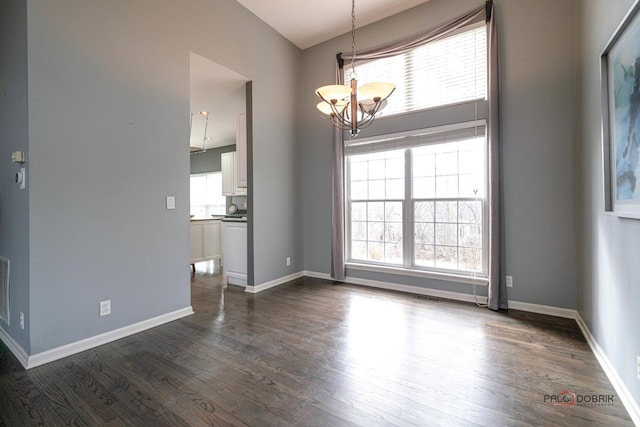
(171, 202)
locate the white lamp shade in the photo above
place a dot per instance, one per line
(379, 90)
(332, 93)
(325, 108)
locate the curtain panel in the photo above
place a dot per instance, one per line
(497, 296)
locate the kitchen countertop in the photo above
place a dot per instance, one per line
(241, 219)
(213, 218)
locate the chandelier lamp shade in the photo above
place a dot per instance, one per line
(351, 107)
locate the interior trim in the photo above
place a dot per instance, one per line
(272, 283)
(104, 338)
(14, 347)
(623, 392)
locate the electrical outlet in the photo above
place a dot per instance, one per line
(21, 320)
(638, 367)
(105, 307)
(288, 261)
(509, 281)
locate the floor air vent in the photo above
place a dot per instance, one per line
(4, 289)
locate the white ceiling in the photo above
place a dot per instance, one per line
(308, 22)
(219, 91)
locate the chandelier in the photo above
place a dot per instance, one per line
(340, 102)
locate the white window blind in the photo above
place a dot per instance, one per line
(443, 72)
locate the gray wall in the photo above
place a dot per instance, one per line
(109, 117)
(209, 161)
(609, 290)
(538, 91)
(14, 203)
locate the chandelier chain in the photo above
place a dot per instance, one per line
(353, 39)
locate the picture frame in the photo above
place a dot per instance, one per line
(620, 80)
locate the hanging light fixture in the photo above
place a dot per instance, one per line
(340, 102)
(193, 149)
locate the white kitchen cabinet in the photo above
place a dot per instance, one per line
(229, 178)
(206, 240)
(241, 150)
(234, 241)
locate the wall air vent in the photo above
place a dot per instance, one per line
(4, 289)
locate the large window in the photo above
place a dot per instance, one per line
(206, 195)
(418, 202)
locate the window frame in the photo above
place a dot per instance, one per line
(435, 135)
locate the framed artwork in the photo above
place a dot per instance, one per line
(620, 74)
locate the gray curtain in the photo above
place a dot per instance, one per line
(337, 224)
(497, 296)
(497, 286)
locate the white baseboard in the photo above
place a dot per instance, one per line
(107, 337)
(272, 283)
(625, 395)
(567, 313)
(317, 275)
(456, 296)
(14, 347)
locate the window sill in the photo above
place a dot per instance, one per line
(481, 281)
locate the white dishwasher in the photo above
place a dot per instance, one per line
(234, 250)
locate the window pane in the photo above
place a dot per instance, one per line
(358, 211)
(393, 211)
(470, 259)
(377, 176)
(424, 212)
(377, 232)
(447, 212)
(375, 211)
(424, 233)
(457, 170)
(359, 190)
(470, 235)
(424, 188)
(470, 212)
(359, 230)
(446, 234)
(425, 255)
(447, 257)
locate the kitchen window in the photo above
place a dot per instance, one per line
(417, 201)
(206, 197)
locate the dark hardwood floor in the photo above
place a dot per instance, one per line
(316, 353)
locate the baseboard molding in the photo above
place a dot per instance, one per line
(107, 337)
(625, 395)
(567, 313)
(317, 275)
(456, 296)
(14, 347)
(272, 283)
